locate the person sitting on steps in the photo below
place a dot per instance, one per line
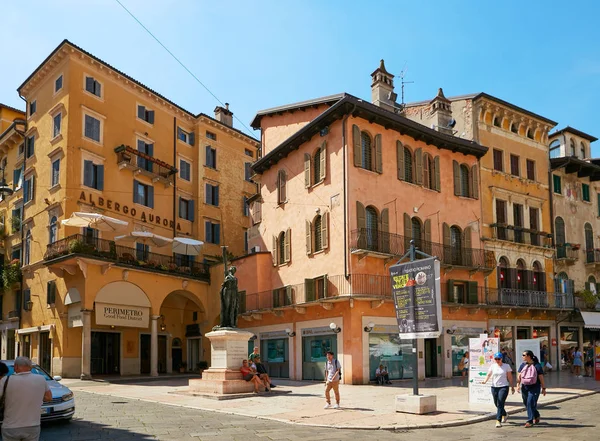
(249, 375)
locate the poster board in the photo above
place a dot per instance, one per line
(530, 344)
(481, 357)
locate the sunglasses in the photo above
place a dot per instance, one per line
(524, 355)
(497, 359)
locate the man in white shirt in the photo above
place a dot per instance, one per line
(25, 394)
(382, 376)
(332, 380)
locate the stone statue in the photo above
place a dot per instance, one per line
(229, 300)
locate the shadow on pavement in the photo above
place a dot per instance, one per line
(79, 429)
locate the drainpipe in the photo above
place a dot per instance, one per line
(345, 178)
(22, 218)
(175, 177)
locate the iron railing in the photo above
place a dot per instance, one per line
(527, 298)
(592, 256)
(134, 159)
(522, 235)
(109, 250)
(396, 245)
(566, 251)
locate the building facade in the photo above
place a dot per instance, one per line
(98, 141)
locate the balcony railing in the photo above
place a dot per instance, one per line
(393, 244)
(567, 252)
(521, 235)
(108, 250)
(592, 256)
(13, 314)
(526, 298)
(133, 159)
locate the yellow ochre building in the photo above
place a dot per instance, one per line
(104, 294)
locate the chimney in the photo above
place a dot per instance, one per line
(441, 113)
(224, 115)
(382, 88)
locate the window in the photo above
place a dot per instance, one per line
(555, 149)
(245, 206)
(582, 145)
(281, 248)
(92, 128)
(30, 147)
(256, 212)
(17, 178)
(212, 195)
(141, 251)
(248, 153)
(27, 307)
(588, 234)
(185, 170)
(315, 166)
(27, 256)
(317, 238)
(143, 194)
(211, 157)
(53, 229)
(466, 180)
(212, 232)
(55, 178)
(92, 86)
(186, 209)
(518, 222)
(534, 225)
(281, 187)
(184, 260)
(514, 127)
(556, 184)
(245, 241)
(530, 133)
(56, 121)
(530, 169)
(146, 149)
(93, 175)
(16, 254)
(315, 288)
(28, 189)
(145, 114)
(211, 135)
(367, 150)
(32, 107)
(572, 144)
(248, 171)
(514, 165)
(498, 160)
(408, 165)
(498, 121)
(585, 191)
(367, 154)
(501, 221)
(51, 292)
(58, 84)
(17, 214)
(187, 137)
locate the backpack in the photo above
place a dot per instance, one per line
(529, 375)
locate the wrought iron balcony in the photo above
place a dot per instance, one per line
(522, 235)
(387, 244)
(108, 250)
(567, 253)
(527, 298)
(132, 159)
(12, 314)
(592, 256)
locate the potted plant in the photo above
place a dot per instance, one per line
(11, 274)
(182, 366)
(163, 267)
(575, 246)
(588, 297)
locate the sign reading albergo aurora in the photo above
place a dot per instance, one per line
(416, 294)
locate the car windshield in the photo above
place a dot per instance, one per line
(34, 370)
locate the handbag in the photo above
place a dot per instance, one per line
(3, 400)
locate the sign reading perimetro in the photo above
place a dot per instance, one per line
(416, 294)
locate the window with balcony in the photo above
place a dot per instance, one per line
(142, 251)
(534, 225)
(93, 175)
(501, 220)
(518, 222)
(498, 160)
(281, 251)
(211, 194)
(315, 289)
(146, 149)
(186, 209)
(145, 114)
(143, 194)
(211, 157)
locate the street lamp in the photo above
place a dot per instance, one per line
(5, 190)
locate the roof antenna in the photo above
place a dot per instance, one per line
(402, 82)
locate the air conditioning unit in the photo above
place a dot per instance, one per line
(255, 249)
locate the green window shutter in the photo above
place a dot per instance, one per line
(419, 166)
(598, 197)
(276, 298)
(287, 245)
(308, 237)
(427, 234)
(472, 298)
(289, 299)
(307, 160)
(325, 230)
(557, 184)
(385, 229)
(407, 231)
(361, 216)
(274, 251)
(325, 286)
(456, 169)
(323, 159)
(450, 285)
(309, 289)
(378, 155)
(436, 168)
(587, 286)
(474, 183)
(400, 160)
(356, 141)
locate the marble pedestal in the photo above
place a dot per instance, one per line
(416, 404)
(229, 346)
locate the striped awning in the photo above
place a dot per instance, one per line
(591, 319)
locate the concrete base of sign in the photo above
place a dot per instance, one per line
(229, 346)
(416, 404)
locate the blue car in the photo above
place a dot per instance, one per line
(62, 406)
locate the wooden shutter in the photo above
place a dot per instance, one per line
(472, 297)
(324, 230)
(258, 211)
(357, 143)
(436, 168)
(274, 251)
(286, 245)
(427, 234)
(419, 166)
(308, 237)
(384, 230)
(467, 237)
(151, 116)
(283, 184)
(309, 289)
(407, 229)
(99, 177)
(289, 299)
(456, 169)
(307, 160)
(88, 173)
(378, 155)
(446, 230)
(192, 138)
(150, 196)
(216, 195)
(400, 160)
(450, 297)
(276, 298)
(141, 112)
(427, 172)
(323, 159)
(361, 217)
(89, 84)
(474, 183)
(191, 210)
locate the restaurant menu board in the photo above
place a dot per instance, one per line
(481, 357)
(416, 294)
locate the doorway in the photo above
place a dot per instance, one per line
(431, 357)
(314, 355)
(146, 354)
(45, 351)
(176, 355)
(106, 353)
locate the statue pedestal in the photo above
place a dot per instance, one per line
(229, 346)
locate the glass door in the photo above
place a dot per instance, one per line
(314, 355)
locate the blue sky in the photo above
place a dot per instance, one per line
(543, 56)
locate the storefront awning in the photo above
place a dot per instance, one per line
(591, 319)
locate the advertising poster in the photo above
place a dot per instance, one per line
(597, 362)
(416, 294)
(481, 357)
(530, 344)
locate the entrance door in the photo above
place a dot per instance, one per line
(45, 351)
(162, 354)
(144, 354)
(106, 353)
(431, 357)
(314, 355)
(176, 354)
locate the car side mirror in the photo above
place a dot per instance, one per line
(57, 378)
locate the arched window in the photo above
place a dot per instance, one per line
(464, 180)
(281, 248)
(555, 149)
(53, 229)
(428, 172)
(559, 225)
(514, 127)
(521, 274)
(456, 244)
(564, 286)
(417, 232)
(281, 187)
(367, 154)
(316, 160)
(498, 121)
(317, 233)
(591, 285)
(583, 156)
(503, 272)
(589, 242)
(27, 248)
(573, 153)
(539, 278)
(408, 165)
(530, 133)
(372, 224)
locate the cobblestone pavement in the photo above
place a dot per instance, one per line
(101, 417)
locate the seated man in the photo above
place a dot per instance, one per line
(261, 370)
(249, 375)
(382, 376)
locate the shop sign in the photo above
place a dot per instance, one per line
(597, 362)
(273, 335)
(323, 330)
(468, 331)
(416, 294)
(122, 315)
(385, 329)
(74, 315)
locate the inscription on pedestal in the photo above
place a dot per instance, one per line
(228, 354)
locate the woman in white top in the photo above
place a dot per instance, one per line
(502, 379)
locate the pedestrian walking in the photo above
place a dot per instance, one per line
(332, 380)
(463, 367)
(502, 379)
(589, 361)
(577, 362)
(530, 382)
(25, 394)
